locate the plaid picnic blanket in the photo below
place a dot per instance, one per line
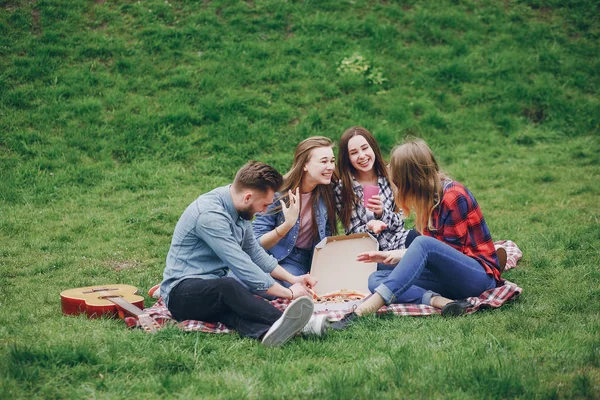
(492, 298)
(513, 253)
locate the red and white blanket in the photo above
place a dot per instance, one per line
(492, 298)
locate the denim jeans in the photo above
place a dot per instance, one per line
(222, 300)
(429, 268)
(296, 263)
(412, 235)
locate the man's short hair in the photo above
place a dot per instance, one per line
(259, 176)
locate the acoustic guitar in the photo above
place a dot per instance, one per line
(107, 300)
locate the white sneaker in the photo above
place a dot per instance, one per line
(154, 291)
(317, 325)
(294, 318)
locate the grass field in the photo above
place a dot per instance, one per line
(115, 115)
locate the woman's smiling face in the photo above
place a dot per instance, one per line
(320, 165)
(361, 154)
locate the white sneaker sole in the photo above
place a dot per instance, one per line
(292, 321)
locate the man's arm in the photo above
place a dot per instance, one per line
(293, 292)
(257, 253)
(298, 289)
(215, 229)
(306, 281)
(281, 274)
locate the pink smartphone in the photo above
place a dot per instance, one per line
(369, 191)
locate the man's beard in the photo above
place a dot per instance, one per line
(246, 214)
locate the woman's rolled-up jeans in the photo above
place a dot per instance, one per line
(431, 268)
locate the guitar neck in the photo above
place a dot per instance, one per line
(125, 305)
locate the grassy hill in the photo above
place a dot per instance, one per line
(115, 115)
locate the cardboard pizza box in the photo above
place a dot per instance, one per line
(335, 267)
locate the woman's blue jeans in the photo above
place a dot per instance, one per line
(296, 263)
(430, 268)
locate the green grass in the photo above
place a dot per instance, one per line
(114, 116)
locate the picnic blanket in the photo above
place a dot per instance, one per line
(492, 298)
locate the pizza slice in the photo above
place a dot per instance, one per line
(340, 296)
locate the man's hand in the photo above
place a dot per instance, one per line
(386, 257)
(299, 290)
(376, 226)
(307, 280)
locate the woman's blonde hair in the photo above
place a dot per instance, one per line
(293, 178)
(418, 180)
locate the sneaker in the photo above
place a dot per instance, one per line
(154, 291)
(294, 318)
(344, 322)
(317, 325)
(456, 308)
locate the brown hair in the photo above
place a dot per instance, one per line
(346, 170)
(292, 179)
(257, 175)
(418, 179)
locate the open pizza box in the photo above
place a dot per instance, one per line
(335, 267)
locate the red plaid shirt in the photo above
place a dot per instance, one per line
(459, 223)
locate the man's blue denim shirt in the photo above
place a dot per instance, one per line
(210, 239)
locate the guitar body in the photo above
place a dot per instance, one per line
(94, 300)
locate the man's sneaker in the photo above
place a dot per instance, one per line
(456, 308)
(317, 325)
(154, 291)
(294, 318)
(344, 322)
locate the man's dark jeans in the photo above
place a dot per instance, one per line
(222, 300)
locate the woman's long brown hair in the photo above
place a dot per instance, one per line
(293, 178)
(418, 180)
(345, 170)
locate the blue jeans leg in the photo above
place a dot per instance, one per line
(412, 234)
(296, 263)
(423, 288)
(429, 265)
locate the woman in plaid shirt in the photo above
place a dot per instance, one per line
(360, 165)
(454, 258)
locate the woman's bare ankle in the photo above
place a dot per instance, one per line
(439, 301)
(370, 305)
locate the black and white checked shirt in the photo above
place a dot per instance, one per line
(394, 236)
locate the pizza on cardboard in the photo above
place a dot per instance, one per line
(343, 281)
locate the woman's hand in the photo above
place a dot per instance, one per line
(376, 226)
(292, 211)
(376, 205)
(385, 257)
